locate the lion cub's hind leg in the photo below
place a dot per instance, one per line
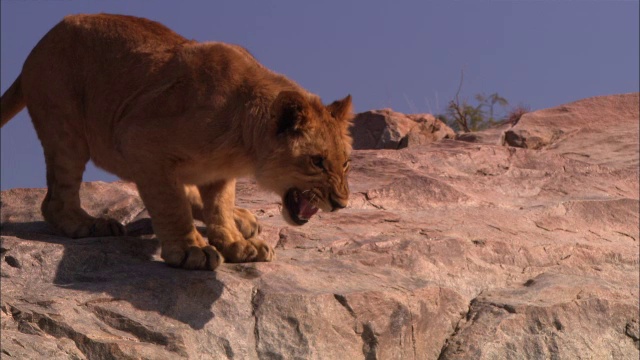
(66, 154)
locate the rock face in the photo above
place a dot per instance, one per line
(387, 129)
(452, 250)
(491, 136)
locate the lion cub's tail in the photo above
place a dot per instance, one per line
(12, 102)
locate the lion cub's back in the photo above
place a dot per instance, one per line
(99, 41)
(130, 30)
(91, 61)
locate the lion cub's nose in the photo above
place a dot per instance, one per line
(337, 205)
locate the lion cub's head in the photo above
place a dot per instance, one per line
(309, 162)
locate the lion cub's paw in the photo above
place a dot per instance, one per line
(265, 251)
(236, 249)
(248, 251)
(97, 227)
(107, 227)
(246, 222)
(193, 257)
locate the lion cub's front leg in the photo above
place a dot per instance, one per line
(246, 222)
(231, 230)
(182, 244)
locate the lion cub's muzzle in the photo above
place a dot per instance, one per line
(337, 203)
(299, 206)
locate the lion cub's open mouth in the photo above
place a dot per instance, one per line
(299, 206)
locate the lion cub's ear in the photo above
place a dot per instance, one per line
(341, 109)
(291, 111)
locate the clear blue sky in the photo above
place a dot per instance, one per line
(406, 55)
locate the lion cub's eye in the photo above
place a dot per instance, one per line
(318, 161)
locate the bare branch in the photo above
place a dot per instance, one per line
(459, 87)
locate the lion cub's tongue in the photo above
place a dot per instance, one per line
(307, 210)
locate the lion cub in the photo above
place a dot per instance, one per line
(182, 120)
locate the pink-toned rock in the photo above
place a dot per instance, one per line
(490, 136)
(450, 250)
(582, 129)
(387, 129)
(548, 315)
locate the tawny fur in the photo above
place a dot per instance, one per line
(165, 112)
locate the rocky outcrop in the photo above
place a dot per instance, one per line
(387, 129)
(452, 250)
(605, 121)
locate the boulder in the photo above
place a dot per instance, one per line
(387, 129)
(449, 250)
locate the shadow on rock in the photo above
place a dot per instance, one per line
(119, 269)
